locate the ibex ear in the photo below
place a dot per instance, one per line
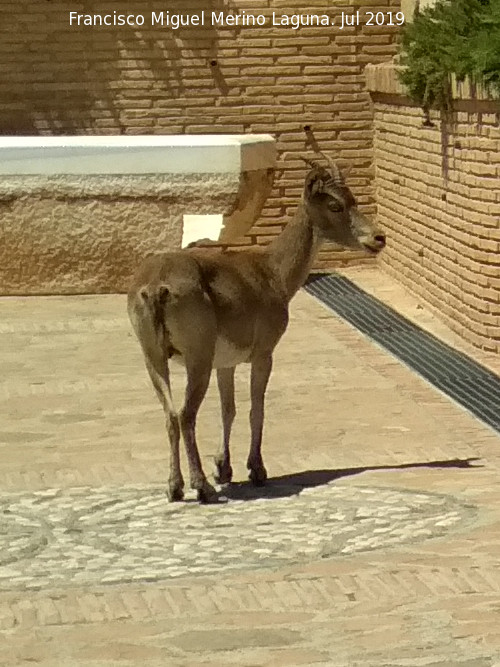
(314, 184)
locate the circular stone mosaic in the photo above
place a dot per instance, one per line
(122, 534)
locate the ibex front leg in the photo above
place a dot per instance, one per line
(225, 381)
(261, 370)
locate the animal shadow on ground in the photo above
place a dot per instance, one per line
(289, 485)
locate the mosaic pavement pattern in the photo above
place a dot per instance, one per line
(123, 534)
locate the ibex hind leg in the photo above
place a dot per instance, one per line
(161, 383)
(143, 309)
(198, 377)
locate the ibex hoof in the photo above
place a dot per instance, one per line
(207, 494)
(223, 472)
(175, 493)
(258, 476)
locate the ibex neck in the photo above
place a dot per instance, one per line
(293, 252)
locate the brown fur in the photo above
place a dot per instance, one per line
(209, 309)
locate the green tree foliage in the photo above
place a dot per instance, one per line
(460, 37)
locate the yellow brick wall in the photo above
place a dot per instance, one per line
(62, 79)
(438, 198)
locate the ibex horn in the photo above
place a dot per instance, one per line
(311, 163)
(338, 179)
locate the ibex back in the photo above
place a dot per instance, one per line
(208, 309)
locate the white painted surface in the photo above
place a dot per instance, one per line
(196, 227)
(145, 154)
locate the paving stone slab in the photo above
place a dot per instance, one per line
(113, 535)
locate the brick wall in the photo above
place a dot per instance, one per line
(62, 79)
(438, 198)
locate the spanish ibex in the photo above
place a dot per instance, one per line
(210, 309)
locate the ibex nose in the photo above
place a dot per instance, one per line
(380, 239)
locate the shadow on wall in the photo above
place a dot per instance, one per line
(59, 78)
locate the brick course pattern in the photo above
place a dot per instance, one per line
(62, 79)
(438, 198)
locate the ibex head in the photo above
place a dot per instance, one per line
(333, 208)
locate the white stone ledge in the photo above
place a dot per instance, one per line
(78, 214)
(144, 154)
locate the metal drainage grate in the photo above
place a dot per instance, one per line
(476, 388)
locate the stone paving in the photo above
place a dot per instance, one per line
(375, 543)
(104, 535)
